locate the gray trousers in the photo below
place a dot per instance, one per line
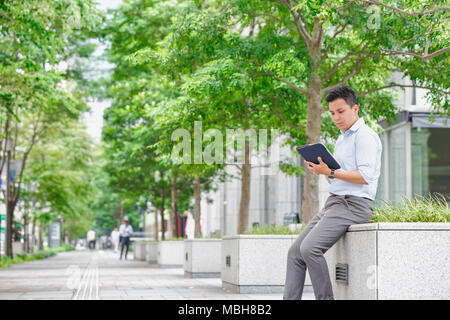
(320, 234)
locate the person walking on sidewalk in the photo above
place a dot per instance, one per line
(125, 231)
(352, 190)
(90, 238)
(115, 234)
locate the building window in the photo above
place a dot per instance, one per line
(397, 163)
(416, 158)
(430, 157)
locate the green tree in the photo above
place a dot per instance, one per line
(213, 78)
(33, 37)
(130, 132)
(312, 47)
(59, 175)
(358, 43)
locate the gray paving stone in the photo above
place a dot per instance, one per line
(117, 280)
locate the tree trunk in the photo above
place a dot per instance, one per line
(41, 237)
(9, 212)
(173, 216)
(197, 209)
(245, 190)
(310, 199)
(33, 232)
(120, 212)
(26, 240)
(163, 229)
(62, 234)
(9, 224)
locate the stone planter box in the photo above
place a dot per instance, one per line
(170, 253)
(17, 248)
(151, 252)
(139, 250)
(256, 263)
(393, 261)
(202, 258)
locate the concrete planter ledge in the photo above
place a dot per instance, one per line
(139, 249)
(151, 252)
(170, 254)
(392, 260)
(203, 240)
(386, 260)
(261, 236)
(256, 263)
(202, 258)
(434, 226)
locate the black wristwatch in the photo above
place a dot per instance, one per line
(331, 176)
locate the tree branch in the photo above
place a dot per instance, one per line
(270, 73)
(282, 118)
(304, 91)
(16, 192)
(349, 54)
(413, 13)
(325, 52)
(400, 85)
(298, 23)
(424, 57)
(339, 8)
(346, 78)
(271, 16)
(5, 139)
(279, 115)
(285, 121)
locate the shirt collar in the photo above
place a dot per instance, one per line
(355, 126)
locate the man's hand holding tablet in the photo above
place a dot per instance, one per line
(312, 153)
(320, 168)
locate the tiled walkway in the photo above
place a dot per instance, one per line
(101, 275)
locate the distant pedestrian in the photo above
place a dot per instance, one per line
(125, 232)
(90, 238)
(115, 234)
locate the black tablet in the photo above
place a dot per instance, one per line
(310, 153)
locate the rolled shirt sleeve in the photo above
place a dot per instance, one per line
(368, 156)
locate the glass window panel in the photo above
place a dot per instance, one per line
(439, 162)
(419, 159)
(397, 163)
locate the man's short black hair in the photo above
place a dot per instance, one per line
(345, 93)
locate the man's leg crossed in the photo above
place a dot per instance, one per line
(296, 267)
(334, 223)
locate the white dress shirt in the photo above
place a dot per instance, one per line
(358, 148)
(125, 230)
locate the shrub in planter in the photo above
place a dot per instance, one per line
(432, 208)
(269, 229)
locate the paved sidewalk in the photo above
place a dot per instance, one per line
(82, 275)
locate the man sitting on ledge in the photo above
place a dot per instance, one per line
(352, 191)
